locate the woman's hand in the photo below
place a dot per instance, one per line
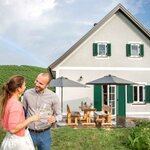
(35, 118)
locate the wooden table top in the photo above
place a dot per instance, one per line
(87, 109)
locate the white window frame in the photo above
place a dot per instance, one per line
(101, 43)
(135, 44)
(138, 89)
(138, 50)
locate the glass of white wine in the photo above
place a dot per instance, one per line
(44, 114)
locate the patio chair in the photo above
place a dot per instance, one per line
(72, 117)
(105, 118)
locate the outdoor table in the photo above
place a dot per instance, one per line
(87, 113)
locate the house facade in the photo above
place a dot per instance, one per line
(118, 45)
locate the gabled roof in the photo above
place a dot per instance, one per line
(118, 8)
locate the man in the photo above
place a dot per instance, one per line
(43, 101)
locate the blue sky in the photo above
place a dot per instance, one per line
(37, 32)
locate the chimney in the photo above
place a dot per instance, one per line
(95, 24)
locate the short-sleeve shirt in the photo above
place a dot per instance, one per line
(13, 115)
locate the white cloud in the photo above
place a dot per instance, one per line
(69, 1)
(30, 13)
(29, 9)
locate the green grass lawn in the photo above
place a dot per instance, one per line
(87, 138)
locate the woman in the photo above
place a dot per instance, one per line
(12, 116)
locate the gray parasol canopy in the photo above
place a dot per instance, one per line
(64, 82)
(112, 80)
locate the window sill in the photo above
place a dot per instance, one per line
(140, 103)
(101, 57)
(135, 58)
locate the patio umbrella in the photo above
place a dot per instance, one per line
(112, 80)
(64, 82)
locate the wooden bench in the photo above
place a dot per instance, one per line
(105, 117)
(72, 117)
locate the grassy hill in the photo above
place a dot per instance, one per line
(29, 72)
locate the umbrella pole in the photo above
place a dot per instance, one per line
(62, 99)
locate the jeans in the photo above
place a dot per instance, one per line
(41, 140)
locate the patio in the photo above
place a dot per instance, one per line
(129, 123)
(88, 117)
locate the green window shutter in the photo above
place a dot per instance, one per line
(129, 94)
(147, 94)
(128, 50)
(108, 49)
(141, 50)
(121, 106)
(94, 49)
(121, 101)
(98, 97)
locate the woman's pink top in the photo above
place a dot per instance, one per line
(14, 114)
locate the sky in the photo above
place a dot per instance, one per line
(37, 32)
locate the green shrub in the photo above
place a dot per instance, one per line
(139, 138)
(142, 123)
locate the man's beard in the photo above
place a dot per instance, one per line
(38, 89)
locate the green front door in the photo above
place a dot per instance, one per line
(112, 98)
(109, 97)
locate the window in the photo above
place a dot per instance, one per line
(101, 49)
(134, 50)
(138, 94)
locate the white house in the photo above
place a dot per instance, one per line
(118, 45)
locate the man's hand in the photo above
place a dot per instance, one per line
(51, 119)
